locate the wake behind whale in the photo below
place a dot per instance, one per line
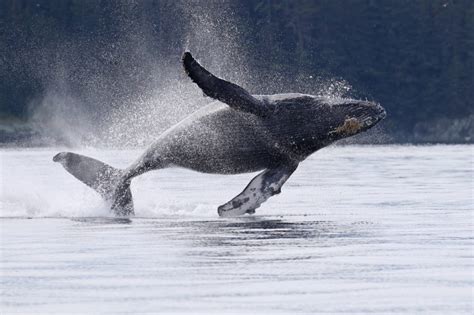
(238, 133)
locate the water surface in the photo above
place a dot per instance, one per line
(356, 229)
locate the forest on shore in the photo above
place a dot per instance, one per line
(415, 57)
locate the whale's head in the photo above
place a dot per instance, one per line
(348, 117)
(309, 123)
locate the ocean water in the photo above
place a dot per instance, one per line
(356, 229)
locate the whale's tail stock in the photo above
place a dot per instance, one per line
(108, 181)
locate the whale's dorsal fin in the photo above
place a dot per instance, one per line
(231, 94)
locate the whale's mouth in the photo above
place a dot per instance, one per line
(368, 114)
(358, 116)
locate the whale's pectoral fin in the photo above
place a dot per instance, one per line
(224, 91)
(262, 187)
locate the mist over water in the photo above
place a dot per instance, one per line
(125, 89)
(125, 85)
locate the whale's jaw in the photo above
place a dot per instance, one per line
(375, 114)
(358, 116)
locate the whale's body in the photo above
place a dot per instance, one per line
(238, 133)
(218, 139)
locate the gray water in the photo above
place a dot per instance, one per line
(356, 229)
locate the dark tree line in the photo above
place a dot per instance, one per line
(414, 57)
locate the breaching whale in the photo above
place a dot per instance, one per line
(237, 133)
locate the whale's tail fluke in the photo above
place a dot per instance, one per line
(108, 181)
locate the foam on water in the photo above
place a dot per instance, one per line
(34, 186)
(336, 178)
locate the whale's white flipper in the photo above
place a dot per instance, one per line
(262, 187)
(104, 179)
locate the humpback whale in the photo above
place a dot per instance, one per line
(237, 133)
